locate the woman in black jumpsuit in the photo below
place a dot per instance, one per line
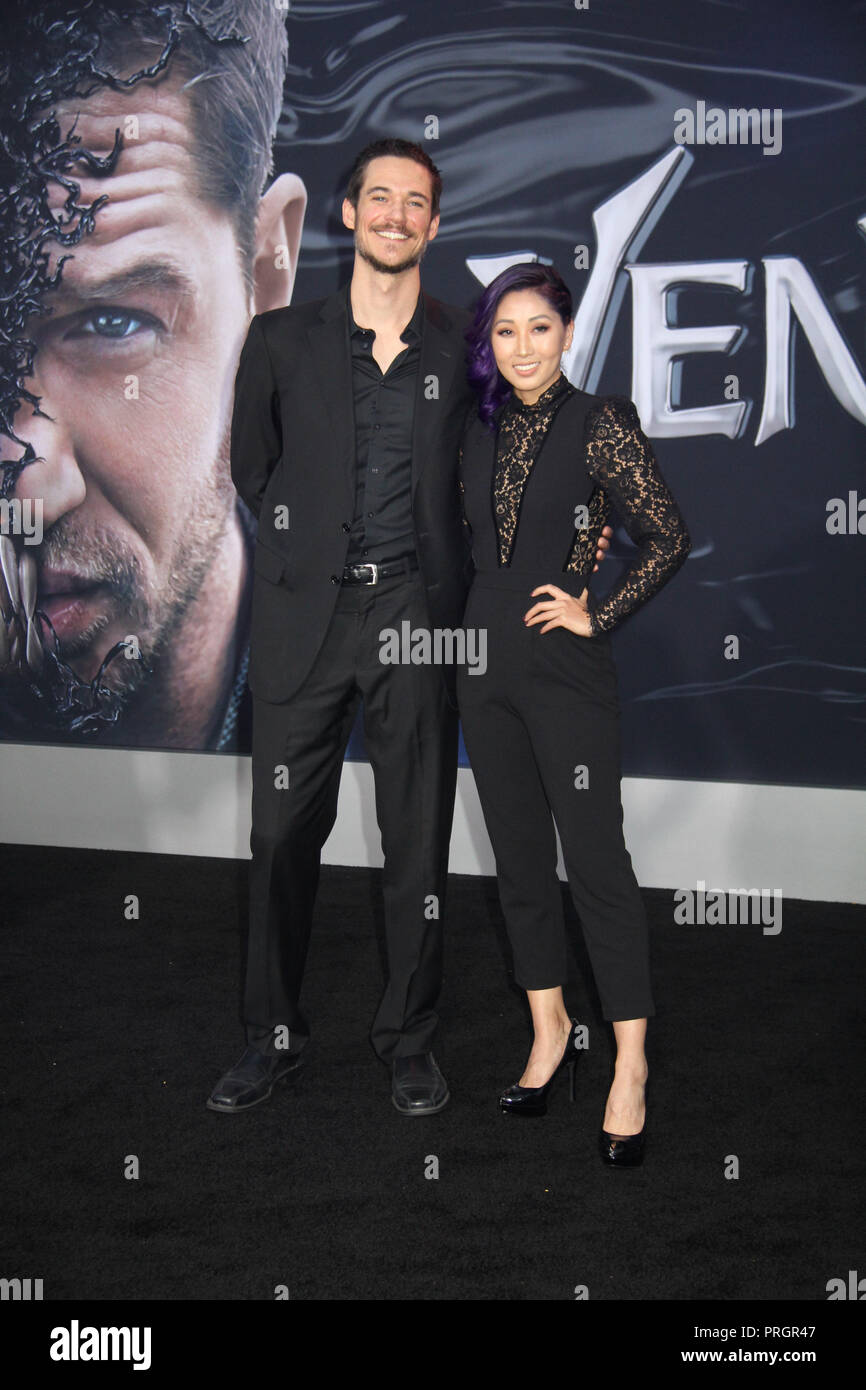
(541, 724)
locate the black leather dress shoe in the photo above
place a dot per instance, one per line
(251, 1080)
(417, 1085)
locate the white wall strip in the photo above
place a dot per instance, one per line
(806, 841)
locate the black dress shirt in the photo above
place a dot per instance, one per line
(382, 527)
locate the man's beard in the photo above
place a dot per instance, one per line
(387, 267)
(57, 701)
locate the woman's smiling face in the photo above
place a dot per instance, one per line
(528, 339)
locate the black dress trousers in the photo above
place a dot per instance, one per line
(298, 746)
(541, 727)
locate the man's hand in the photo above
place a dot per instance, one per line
(604, 541)
(561, 611)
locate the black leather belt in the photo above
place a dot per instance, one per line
(372, 573)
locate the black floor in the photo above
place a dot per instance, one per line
(115, 1030)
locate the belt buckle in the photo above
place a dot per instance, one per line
(374, 568)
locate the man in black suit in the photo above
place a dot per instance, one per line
(345, 436)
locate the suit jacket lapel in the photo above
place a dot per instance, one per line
(439, 360)
(332, 362)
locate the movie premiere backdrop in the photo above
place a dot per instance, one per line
(694, 170)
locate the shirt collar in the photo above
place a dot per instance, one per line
(411, 333)
(547, 399)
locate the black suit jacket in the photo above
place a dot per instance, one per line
(293, 460)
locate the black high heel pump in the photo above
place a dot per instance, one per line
(532, 1100)
(622, 1151)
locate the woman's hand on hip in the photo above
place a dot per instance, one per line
(562, 610)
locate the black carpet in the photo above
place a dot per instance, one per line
(115, 1031)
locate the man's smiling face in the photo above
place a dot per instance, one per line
(135, 365)
(392, 222)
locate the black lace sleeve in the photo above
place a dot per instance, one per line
(620, 460)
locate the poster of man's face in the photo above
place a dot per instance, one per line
(693, 172)
(125, 580)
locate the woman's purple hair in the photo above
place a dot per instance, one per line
(482, 371)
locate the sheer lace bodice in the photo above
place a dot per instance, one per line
(622, 468)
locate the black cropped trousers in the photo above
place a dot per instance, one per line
(541, 726)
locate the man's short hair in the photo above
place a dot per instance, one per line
(235, 91)
(402, 149)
